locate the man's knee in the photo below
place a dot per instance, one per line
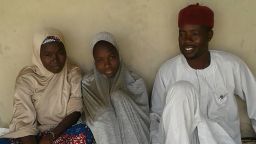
(183, 84)
(180, 91)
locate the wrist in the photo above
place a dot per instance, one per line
(52, 135)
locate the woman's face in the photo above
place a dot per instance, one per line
(106, 58)
(53, 56)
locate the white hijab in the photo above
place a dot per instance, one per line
(37, 42)
(42, 98)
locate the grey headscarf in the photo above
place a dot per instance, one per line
(97, 88)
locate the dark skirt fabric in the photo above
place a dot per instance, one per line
(77, 134)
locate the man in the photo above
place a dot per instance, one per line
(193, 99)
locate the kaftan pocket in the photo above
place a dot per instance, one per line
(221, 97)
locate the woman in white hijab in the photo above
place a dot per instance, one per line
(47, 100)
(115, 98)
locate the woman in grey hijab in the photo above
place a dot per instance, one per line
(115, 98)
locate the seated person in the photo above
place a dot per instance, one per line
(115, 98)
(47, 100)
(193, 99)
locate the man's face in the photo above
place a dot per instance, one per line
(53, 56)
(193, 40)
(106, 58)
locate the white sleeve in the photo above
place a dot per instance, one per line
(246, 89)
(157, 105)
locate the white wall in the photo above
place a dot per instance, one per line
(146, 31)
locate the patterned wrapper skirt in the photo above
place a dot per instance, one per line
(77, 134)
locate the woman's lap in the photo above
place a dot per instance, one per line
(78, 133)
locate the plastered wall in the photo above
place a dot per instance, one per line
(146, 31)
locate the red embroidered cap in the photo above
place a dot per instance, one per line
(196, 14)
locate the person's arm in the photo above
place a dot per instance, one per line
(156, 108)
(67, 122)
(75, 101)
(245, 87)
(24, 120)
(28, 139)
(74, 107)
(137, 87)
